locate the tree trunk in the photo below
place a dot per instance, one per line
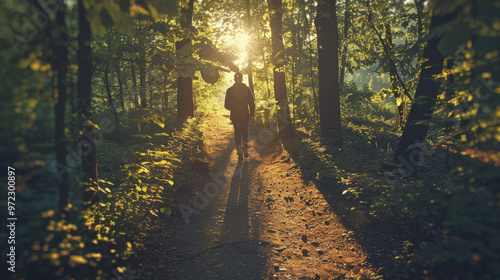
(347, 24)
(249, 49)
(421, 110)
(418, 7)
(390, 61)
(311, 69)
(89, 163)
(134, 84)
(61, 66)
(110, 97)
(284, 121)
(293, 64)
(142, 74)
(185, 100)
(120, 85)
(267, 77)
(166, 94)
(392, 74)
(328, 66)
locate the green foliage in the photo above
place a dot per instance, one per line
(464, 227)
(137, 190)
(365, 102)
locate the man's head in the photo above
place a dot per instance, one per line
(238, 77)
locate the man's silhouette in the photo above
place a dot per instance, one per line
(239, 99)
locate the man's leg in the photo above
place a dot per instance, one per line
(244, 136)
(237, 136)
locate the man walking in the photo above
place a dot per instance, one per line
(238, 99)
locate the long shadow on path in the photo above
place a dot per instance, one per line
(221, 230)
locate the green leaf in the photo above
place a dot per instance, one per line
(454, 38)
(161, 27)
(209, 73)
(152, 212)
(169, 181)
(208, 52)
(122, 21)
(94, 18)
(160, 8)
(166, 211)
(185, 51)
(187, 71)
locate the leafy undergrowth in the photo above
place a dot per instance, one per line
(441, 225)
(138, 183)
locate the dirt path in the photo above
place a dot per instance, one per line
(257, 220)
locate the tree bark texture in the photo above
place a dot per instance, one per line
(284, 121)
(328, 66)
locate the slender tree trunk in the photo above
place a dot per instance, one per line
(328, 66)
(249, 48)
(311, 66)
(61, 65)
(421, 110)
(395, 89)
(120, 85)
(267, 77)
(142, 74)
(185, 100)
(110, 97)
(392, 64)
(89, 163)
(150, 86)
(134, 84)
(166, 94)
(418, 7)
(284, 121)
(293, 63)
(74, 113)
(347, 25)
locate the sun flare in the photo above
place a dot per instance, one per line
(243, 41)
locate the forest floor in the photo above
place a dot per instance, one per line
(265, 221)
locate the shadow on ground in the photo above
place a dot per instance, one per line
(218, 243)
(380, 239)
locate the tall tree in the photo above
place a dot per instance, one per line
(347, 24)
(394, 87)
(61, 66)
(415, 130)
(328, 66)
(134, 84)
(88, 148)
(118, 67)
(111, 103)
(276, 22)
(185, 101)
(142, 72)
(249, 58)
